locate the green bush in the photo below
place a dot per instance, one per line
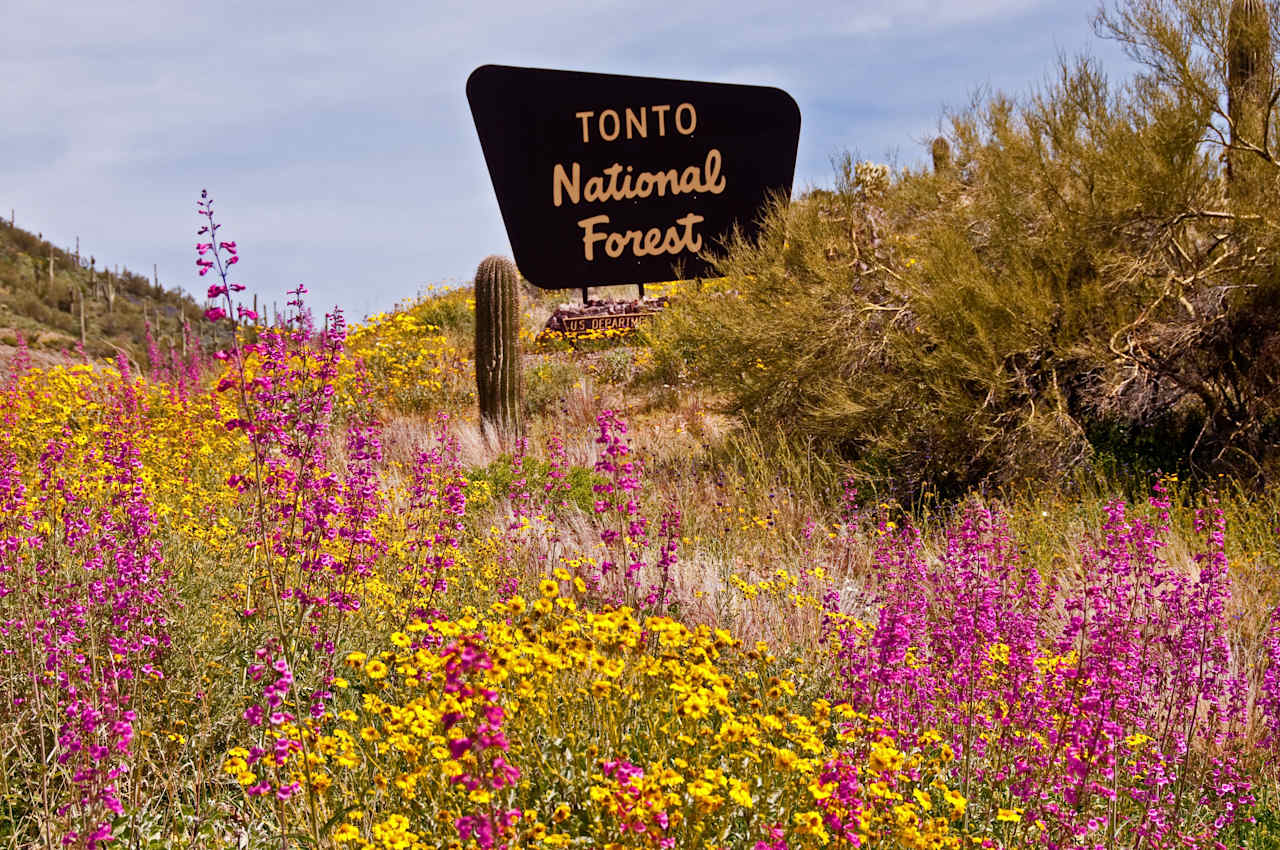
(450, 311)
(1263, 832)
(615, 366)
(546, 384)
(1073, 279)
(500, 475)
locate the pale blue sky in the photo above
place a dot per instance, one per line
(336, 138)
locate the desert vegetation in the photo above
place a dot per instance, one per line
(1085, 273)
(61, 302)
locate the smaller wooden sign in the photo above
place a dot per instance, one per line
(604, 322)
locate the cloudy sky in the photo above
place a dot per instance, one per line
(337, 142)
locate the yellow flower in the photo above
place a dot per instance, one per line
(956, 800)
(1136, 740)
(810, 823)
(669, 777)
(701, 789)
(821, 791)
(549, 588)
(1009, 815)
(376, 669)
(885, 757)
(696, 706)
(346, 832)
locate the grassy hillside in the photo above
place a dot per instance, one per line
(43, 288)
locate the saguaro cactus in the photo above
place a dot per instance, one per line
(1248, 81)
(497, 352)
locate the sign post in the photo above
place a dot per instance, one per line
(605, 179)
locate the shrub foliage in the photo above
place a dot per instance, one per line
(1081, 273)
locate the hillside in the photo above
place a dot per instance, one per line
(43, 288)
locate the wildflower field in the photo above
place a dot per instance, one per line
(290, 594)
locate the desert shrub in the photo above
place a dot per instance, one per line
(63, 297)
(546, 383)
(130, 323)
(615, 366)
(450, 310)
(24, 302)
(508, 474)
(414, 366)
(1077, 278)
(112, 324)
(136, 284)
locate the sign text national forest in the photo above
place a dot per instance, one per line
(605, 179)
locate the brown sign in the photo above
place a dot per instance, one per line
(608, 179)
(605, 322)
